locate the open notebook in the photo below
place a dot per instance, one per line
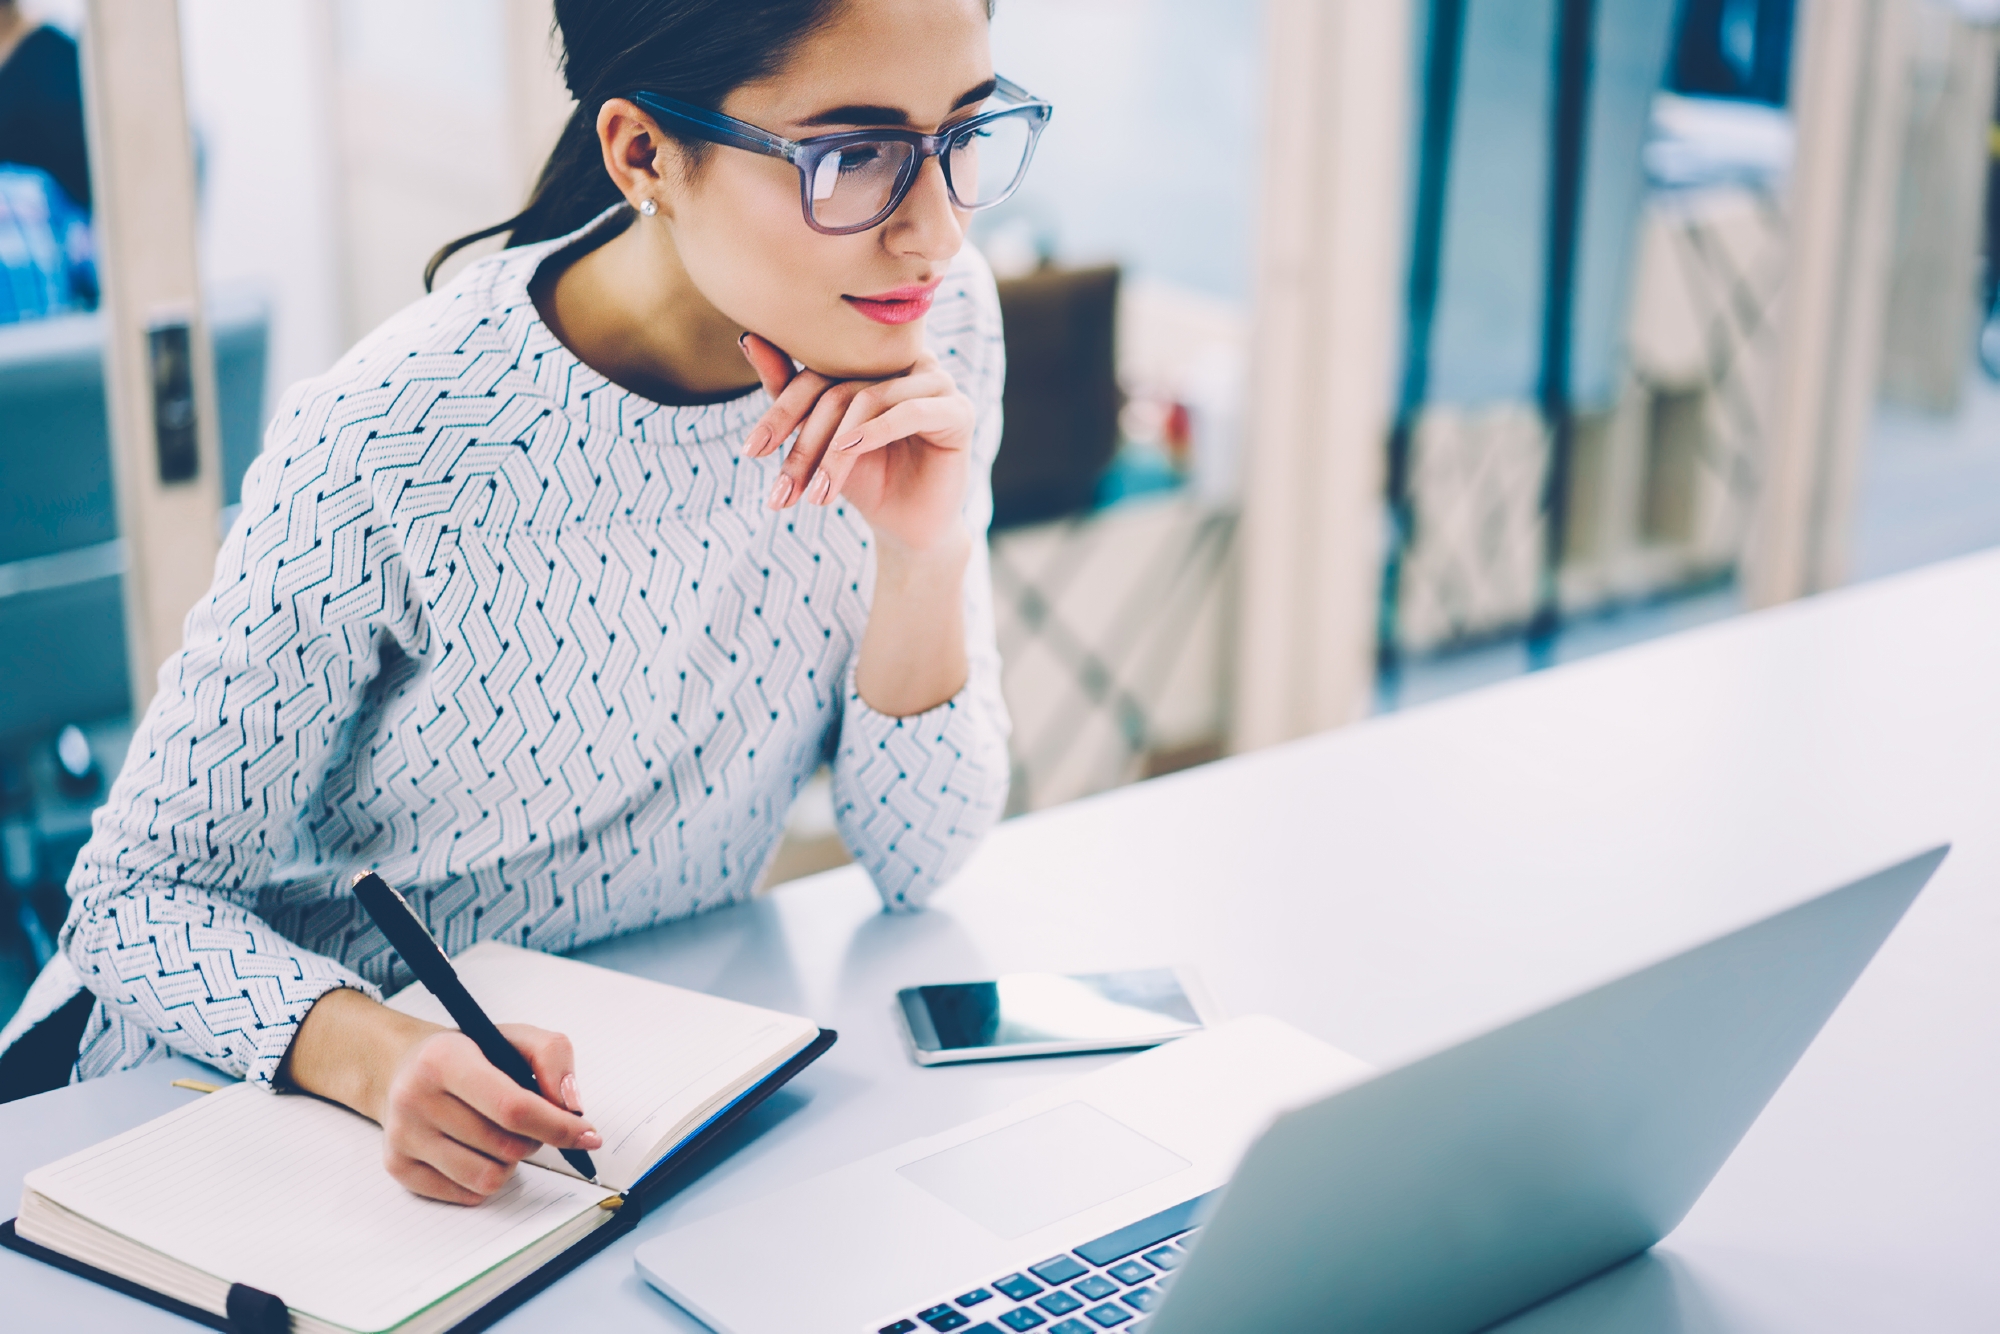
(287, 1195)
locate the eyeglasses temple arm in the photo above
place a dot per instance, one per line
(1012, 91)
(717, 128)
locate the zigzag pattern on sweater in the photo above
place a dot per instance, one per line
(532, 647)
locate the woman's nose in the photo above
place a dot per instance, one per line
(926, 223)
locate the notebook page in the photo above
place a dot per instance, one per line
(288, 1194)
(648, 1055)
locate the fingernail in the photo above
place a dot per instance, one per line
(590, 1139)
(848, 443)
(781, 491)
(743, 340)
(570, 1100)
(821, 484)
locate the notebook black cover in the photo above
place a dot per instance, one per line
(661, 1183)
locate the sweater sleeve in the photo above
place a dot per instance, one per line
(274, 665)
(913, 796)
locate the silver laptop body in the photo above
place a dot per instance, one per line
(1442, 1195)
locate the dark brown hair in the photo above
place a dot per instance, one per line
(696, 50)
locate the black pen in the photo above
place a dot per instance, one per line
(406, 932)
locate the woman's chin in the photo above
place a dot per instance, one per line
(884, 351)
(879, 363)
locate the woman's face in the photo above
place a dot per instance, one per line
(738, 226)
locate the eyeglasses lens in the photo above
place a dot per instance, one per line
(986, 162)
(853, 184)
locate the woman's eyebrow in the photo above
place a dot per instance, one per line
(979, 92)
(876, 115)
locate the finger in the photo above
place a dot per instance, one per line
(774, 369)
(785, 414)
(417, 1107)
(459, 1165)
(460, 1122)
(879, 397)
(420, 1178)
(936, 419)
(814, 437)
(480, 1086)
(553, 1059)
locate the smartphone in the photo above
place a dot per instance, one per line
(1046, 1014)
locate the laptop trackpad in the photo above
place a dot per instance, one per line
(1035, 1172)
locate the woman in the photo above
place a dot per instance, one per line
(41, 103)
(530, 608)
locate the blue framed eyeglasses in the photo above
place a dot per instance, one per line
(854, 180)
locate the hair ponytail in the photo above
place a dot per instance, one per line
(698, 51)
(572, 189)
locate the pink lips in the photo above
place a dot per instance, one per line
(899, 306)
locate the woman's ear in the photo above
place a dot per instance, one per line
(639, 158)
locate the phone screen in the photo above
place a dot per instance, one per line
(1047, 1011)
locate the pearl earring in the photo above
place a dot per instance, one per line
(648, 207)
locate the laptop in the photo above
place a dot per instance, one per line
(1254, 1178)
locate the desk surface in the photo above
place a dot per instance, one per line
(1397, 884)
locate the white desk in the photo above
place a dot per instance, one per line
(1402, 882)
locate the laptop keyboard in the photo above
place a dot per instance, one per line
(1112, 1282)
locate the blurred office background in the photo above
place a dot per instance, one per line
(1362, 351)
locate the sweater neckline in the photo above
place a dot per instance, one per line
(583, 393)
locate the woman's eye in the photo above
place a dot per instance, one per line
(859, 158)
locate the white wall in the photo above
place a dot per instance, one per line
(65, 14)
(422, 101)
(260, 95)
(342, 141)
(1154, 155)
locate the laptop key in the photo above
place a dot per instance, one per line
(900, 1327)
(1131, 1271)
(1018, 1286)
(1147, 1232)
(1167, 1257)
(1020, 1318)
(942, 1317)
(1071, 1327)
(976, 1296)
(1142, 1299)
(1057, 1269)
(1108, 1315)
(1094, 1287)
(1058, 1303)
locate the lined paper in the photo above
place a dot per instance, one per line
(648, 1056)
(288, 1194)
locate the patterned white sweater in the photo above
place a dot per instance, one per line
(535, 649)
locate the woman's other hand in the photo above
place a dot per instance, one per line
(453, 1126)
(897, 449)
